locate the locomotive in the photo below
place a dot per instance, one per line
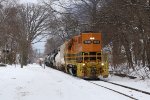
(82, 56)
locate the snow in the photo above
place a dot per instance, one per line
(36, 83)
(135, 83)
(136, 94)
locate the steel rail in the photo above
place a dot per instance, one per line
(114, 91)
(144, 92)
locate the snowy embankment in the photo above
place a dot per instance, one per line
(35, 83)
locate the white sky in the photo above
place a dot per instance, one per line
(26, 1)
(40, 46)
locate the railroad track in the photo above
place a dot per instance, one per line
(119, 85)
(145, 92)
(129, 89)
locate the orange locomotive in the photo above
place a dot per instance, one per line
(84, 57)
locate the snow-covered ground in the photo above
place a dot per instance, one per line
(35, 83)
(135, 83)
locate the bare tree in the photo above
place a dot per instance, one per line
(24, 24)
(8, 44)
(33, 22)
(124, 23)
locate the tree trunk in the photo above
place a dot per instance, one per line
(129, 56)
(24, 58)
(24, 54)
(126, 43)
(148, 53)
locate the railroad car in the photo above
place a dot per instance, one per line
(82, 56)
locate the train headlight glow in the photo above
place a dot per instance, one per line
(92, 38)
(102, 64)
(83, 64)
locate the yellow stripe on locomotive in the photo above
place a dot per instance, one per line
(84, 57)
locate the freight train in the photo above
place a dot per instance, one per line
(81, 56)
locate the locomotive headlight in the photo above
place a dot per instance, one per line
(92, 38)
(83, 64)
(102, 64)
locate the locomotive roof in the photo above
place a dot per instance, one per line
(90, 32)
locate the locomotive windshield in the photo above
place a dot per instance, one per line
(90, 42)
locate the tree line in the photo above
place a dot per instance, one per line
(123, 23)
(20, 25)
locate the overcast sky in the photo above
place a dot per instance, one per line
(26, 1)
